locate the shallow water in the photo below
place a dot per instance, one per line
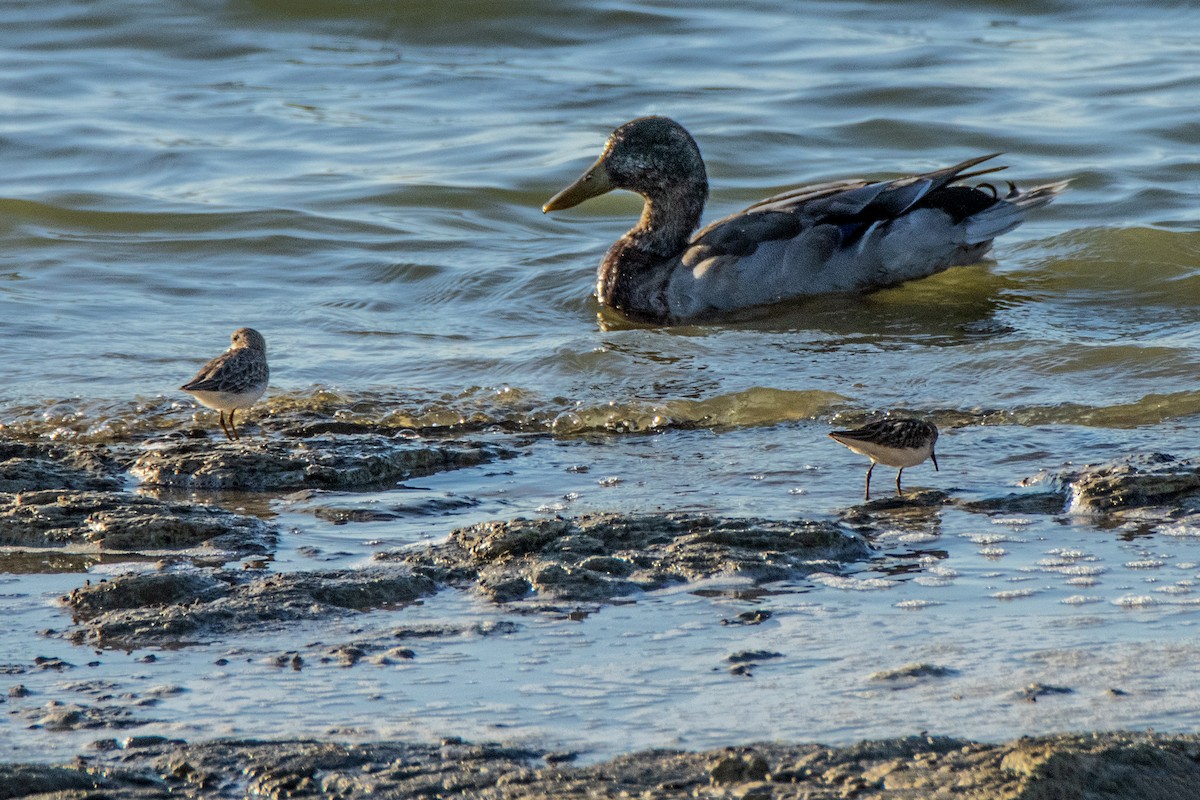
(363, 186)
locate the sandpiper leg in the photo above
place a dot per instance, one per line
(868, 495)
(233, 411)
(228, 435)
(898, 474)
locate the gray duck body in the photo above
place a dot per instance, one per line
(840, 236)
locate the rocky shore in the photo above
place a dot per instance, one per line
(1087, 766)
(97, 499)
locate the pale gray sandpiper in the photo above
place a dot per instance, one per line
(235, 379)
(893, 443)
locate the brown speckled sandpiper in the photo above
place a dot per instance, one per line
(892, 442)
(235, 379)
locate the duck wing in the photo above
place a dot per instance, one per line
(848, 199)
(843, 236)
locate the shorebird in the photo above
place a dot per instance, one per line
(893, 443)
(235, 379)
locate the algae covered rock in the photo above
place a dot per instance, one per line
(120, 521)
(343, 462)
(26, 467)
(171, 608)
(600, 556)
(1153, 479)
(1139, 481)
(1108, 766)
(145, 591)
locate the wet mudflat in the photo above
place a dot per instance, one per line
(177, 581)
(1146, 766)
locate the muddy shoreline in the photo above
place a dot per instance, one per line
(185, 588)
(1100, 765)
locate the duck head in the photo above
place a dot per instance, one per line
(653, 156)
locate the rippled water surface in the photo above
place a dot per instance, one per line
(362, 183)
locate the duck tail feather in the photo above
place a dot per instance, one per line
(968, 175)
(904, 194)
(1006, 214)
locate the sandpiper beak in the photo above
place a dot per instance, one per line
(592, 183)
(933, 455)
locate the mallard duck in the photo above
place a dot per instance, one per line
(841, 236)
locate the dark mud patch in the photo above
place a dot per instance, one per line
(175, 608)
(1033, 691)
(598, 557)
(1101, 766)
(30, 466)
(56, 561)
(917, 512)
(1048, 503)
(910, 675)
(756, 617)
(350, 654)
(56, 716)
(407, 503)
(912, 671)
(34, 780)
(921, 498)
(752, 656)
(743, 663)
(387, 649)
(440, 631)
(147, 591)
(346, 462)
(120, 521)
